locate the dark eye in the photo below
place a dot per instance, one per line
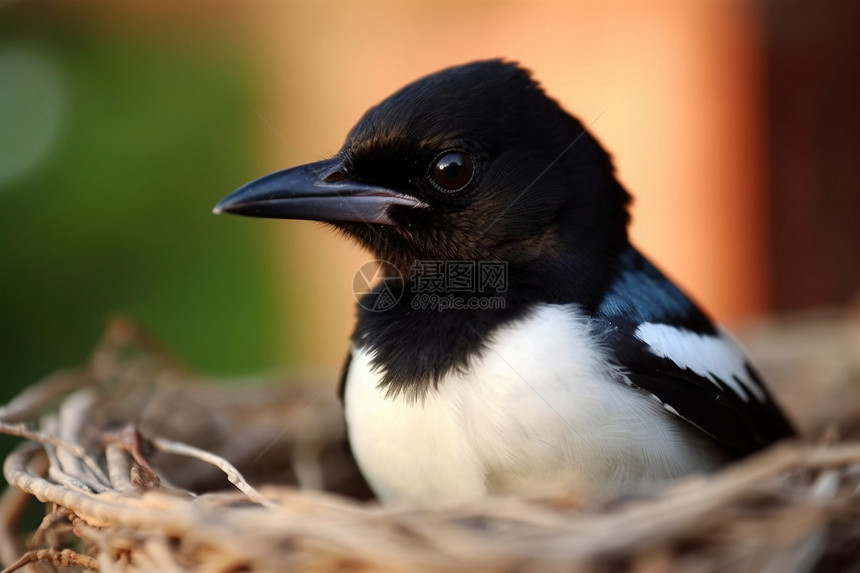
(452, 171)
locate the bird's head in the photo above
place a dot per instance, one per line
(471, 163)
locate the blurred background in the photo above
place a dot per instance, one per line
(734, 124)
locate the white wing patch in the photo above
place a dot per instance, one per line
(716, 358)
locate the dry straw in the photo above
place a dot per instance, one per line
(143, 468)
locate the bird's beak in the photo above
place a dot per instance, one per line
(317, 191)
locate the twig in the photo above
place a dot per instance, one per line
(99, 510)
(21, 430)
(62, 558)
(229, 469)
(13, 503)
(119, 469)
(75, 412)
(128, 469)
(49, 522)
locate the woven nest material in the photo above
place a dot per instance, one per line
(133, 458)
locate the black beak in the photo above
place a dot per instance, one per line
(317, 191)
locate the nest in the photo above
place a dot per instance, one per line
(144, 467)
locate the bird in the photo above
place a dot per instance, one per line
(588, 370)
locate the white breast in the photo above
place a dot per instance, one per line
(538, 411)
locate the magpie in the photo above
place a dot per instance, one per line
(591, 369)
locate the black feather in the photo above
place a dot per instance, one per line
(640, 293)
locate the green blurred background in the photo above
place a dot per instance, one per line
(114, 146)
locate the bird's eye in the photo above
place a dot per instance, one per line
(452, 171)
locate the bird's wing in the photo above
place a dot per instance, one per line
(667, 347)
(703, 378)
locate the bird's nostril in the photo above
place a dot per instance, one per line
(335, 177)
